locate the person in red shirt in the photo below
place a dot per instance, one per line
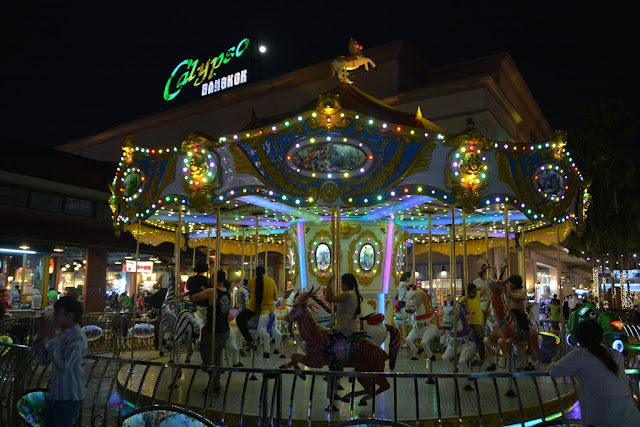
(4, 298)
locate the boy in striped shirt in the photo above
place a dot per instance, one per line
(67, 353)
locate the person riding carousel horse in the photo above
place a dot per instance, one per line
(263, 294)
(355, 351)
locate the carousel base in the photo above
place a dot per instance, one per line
(188, 392)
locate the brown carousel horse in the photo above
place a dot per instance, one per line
(504, 330)
(357, 352)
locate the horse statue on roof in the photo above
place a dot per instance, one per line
(357, 351)
(454, 313)
(343, 64)
(427, 323)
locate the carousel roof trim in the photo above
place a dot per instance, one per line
(258, 168)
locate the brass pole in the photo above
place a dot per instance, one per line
(506, 253)
(465, 266)
(486, 245)
(506, 239)
(284, 267)
(452, 261)
(338, 246)
(176, 249)
(193, 261)
(334, 280)
(255, 257)
(135, 287)
(242, 258)
(430, 260)
(266, 252)
(560, 287)
(215, 283)
(209, 254)
(523, 259)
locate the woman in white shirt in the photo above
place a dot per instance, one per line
(603, 387)
(347, 317)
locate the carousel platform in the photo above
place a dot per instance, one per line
(306, 401)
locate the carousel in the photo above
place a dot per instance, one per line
(347, 184)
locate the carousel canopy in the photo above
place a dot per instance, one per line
(346, 149)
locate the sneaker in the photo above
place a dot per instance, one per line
(266, 356)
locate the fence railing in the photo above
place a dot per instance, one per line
(117, 388)
(115, 329)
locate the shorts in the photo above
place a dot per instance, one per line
(401, 305)
(522, 319)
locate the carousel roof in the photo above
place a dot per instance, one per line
(347, 149)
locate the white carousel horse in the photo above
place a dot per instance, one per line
(343, 64)
(263, 326)
(454, 312)
(427, 322)
(178, 327)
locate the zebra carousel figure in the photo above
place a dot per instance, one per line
(178, 326)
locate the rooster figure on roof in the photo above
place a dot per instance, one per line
(343, 64)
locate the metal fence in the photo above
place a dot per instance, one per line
(116, 387)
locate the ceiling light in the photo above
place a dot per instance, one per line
(128, 256)
(24, 246)
(58, 248)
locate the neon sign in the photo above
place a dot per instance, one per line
(203, 73)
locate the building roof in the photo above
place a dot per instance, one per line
(58, 166)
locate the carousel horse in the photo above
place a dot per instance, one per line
(455, 313)
(372, 324)
(343, 64)
(427, 322)
(178, 327)
(263, 326)
(504, 331)
(356, 351)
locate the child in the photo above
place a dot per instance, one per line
(517, 298)
(67, 353)
(475, 315)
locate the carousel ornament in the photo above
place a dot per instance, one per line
(343, 64)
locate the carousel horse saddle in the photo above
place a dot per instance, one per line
(253, 323)
(373, 318)
(342, 347)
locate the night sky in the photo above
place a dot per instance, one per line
(74, 71)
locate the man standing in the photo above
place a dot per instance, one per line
(67, 353)
(221, 324)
